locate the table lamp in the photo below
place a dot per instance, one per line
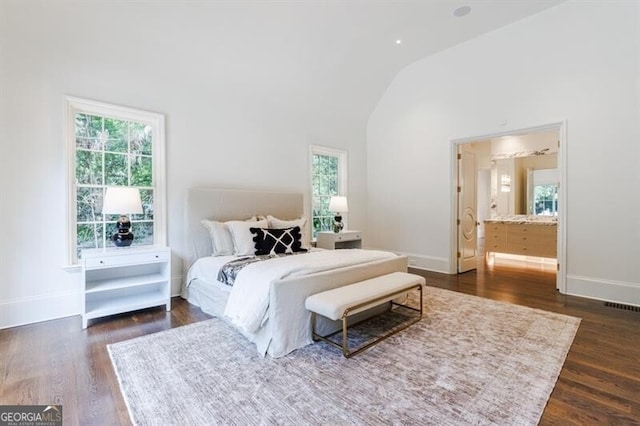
(338, 204)
(122, 200)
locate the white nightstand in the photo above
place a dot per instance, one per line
(123, 279)
(339, 240)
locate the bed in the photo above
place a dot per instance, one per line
(286, 324)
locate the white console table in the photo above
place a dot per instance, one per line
(123, 279)
(339, 240)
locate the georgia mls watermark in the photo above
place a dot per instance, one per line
(30, 415)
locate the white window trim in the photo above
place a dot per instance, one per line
(75, 105)
(342, 176)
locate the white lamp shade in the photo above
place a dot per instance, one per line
(338, 204)
(121, 199)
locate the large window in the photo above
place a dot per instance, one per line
(328, 177)
(111, 146)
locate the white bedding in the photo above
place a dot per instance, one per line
(249, 299)
(206, 269)
(255, 284)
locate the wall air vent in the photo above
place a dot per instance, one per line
(621, 306)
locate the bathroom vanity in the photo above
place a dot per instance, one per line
(521, 235)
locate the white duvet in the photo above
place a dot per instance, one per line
(249, 299)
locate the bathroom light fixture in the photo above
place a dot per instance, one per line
(505, 183)
(398, 41)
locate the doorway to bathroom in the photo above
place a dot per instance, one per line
(508, 201)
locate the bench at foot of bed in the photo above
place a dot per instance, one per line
(342, 302)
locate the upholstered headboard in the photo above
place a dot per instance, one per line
(231, 204)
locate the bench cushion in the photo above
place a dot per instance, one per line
(333, 303)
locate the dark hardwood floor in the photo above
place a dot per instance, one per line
(56, 362)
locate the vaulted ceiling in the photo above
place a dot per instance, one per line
(331, 55)
(320, 51)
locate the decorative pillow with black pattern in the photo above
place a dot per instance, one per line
(273, 241)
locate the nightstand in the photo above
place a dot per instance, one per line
(339, 240)
(123, 279)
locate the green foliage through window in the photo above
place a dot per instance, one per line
(325, 183)
(545, 200)
(111, 152)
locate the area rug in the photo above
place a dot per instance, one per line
(469, 361)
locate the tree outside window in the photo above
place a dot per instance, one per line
(545, 200)
(113, 146)
(328, 177)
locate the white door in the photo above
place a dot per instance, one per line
(467, 215)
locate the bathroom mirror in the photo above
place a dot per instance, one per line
(525, 185)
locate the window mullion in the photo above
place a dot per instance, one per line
(103, 220)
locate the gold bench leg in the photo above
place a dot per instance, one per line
(314, 336)
(345, 338)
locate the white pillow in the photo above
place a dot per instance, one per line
(275, 223)
(242, 236)
(221, 238)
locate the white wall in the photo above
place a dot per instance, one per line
(240, 112)
(576, 62)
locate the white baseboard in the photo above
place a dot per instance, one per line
(29, 310)
(607, 290)
(428, 263)
(418, 261)
(17, 312)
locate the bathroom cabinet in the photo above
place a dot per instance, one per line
(523, 238)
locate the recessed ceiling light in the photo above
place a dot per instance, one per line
(398, 41)
(462, 11)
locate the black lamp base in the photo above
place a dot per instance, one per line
(337, 224)
(124, 237)
(122, 240)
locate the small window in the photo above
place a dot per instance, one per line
(328, 177)
(545, 200)
(113, 146)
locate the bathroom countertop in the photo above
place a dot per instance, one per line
(525, 220)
